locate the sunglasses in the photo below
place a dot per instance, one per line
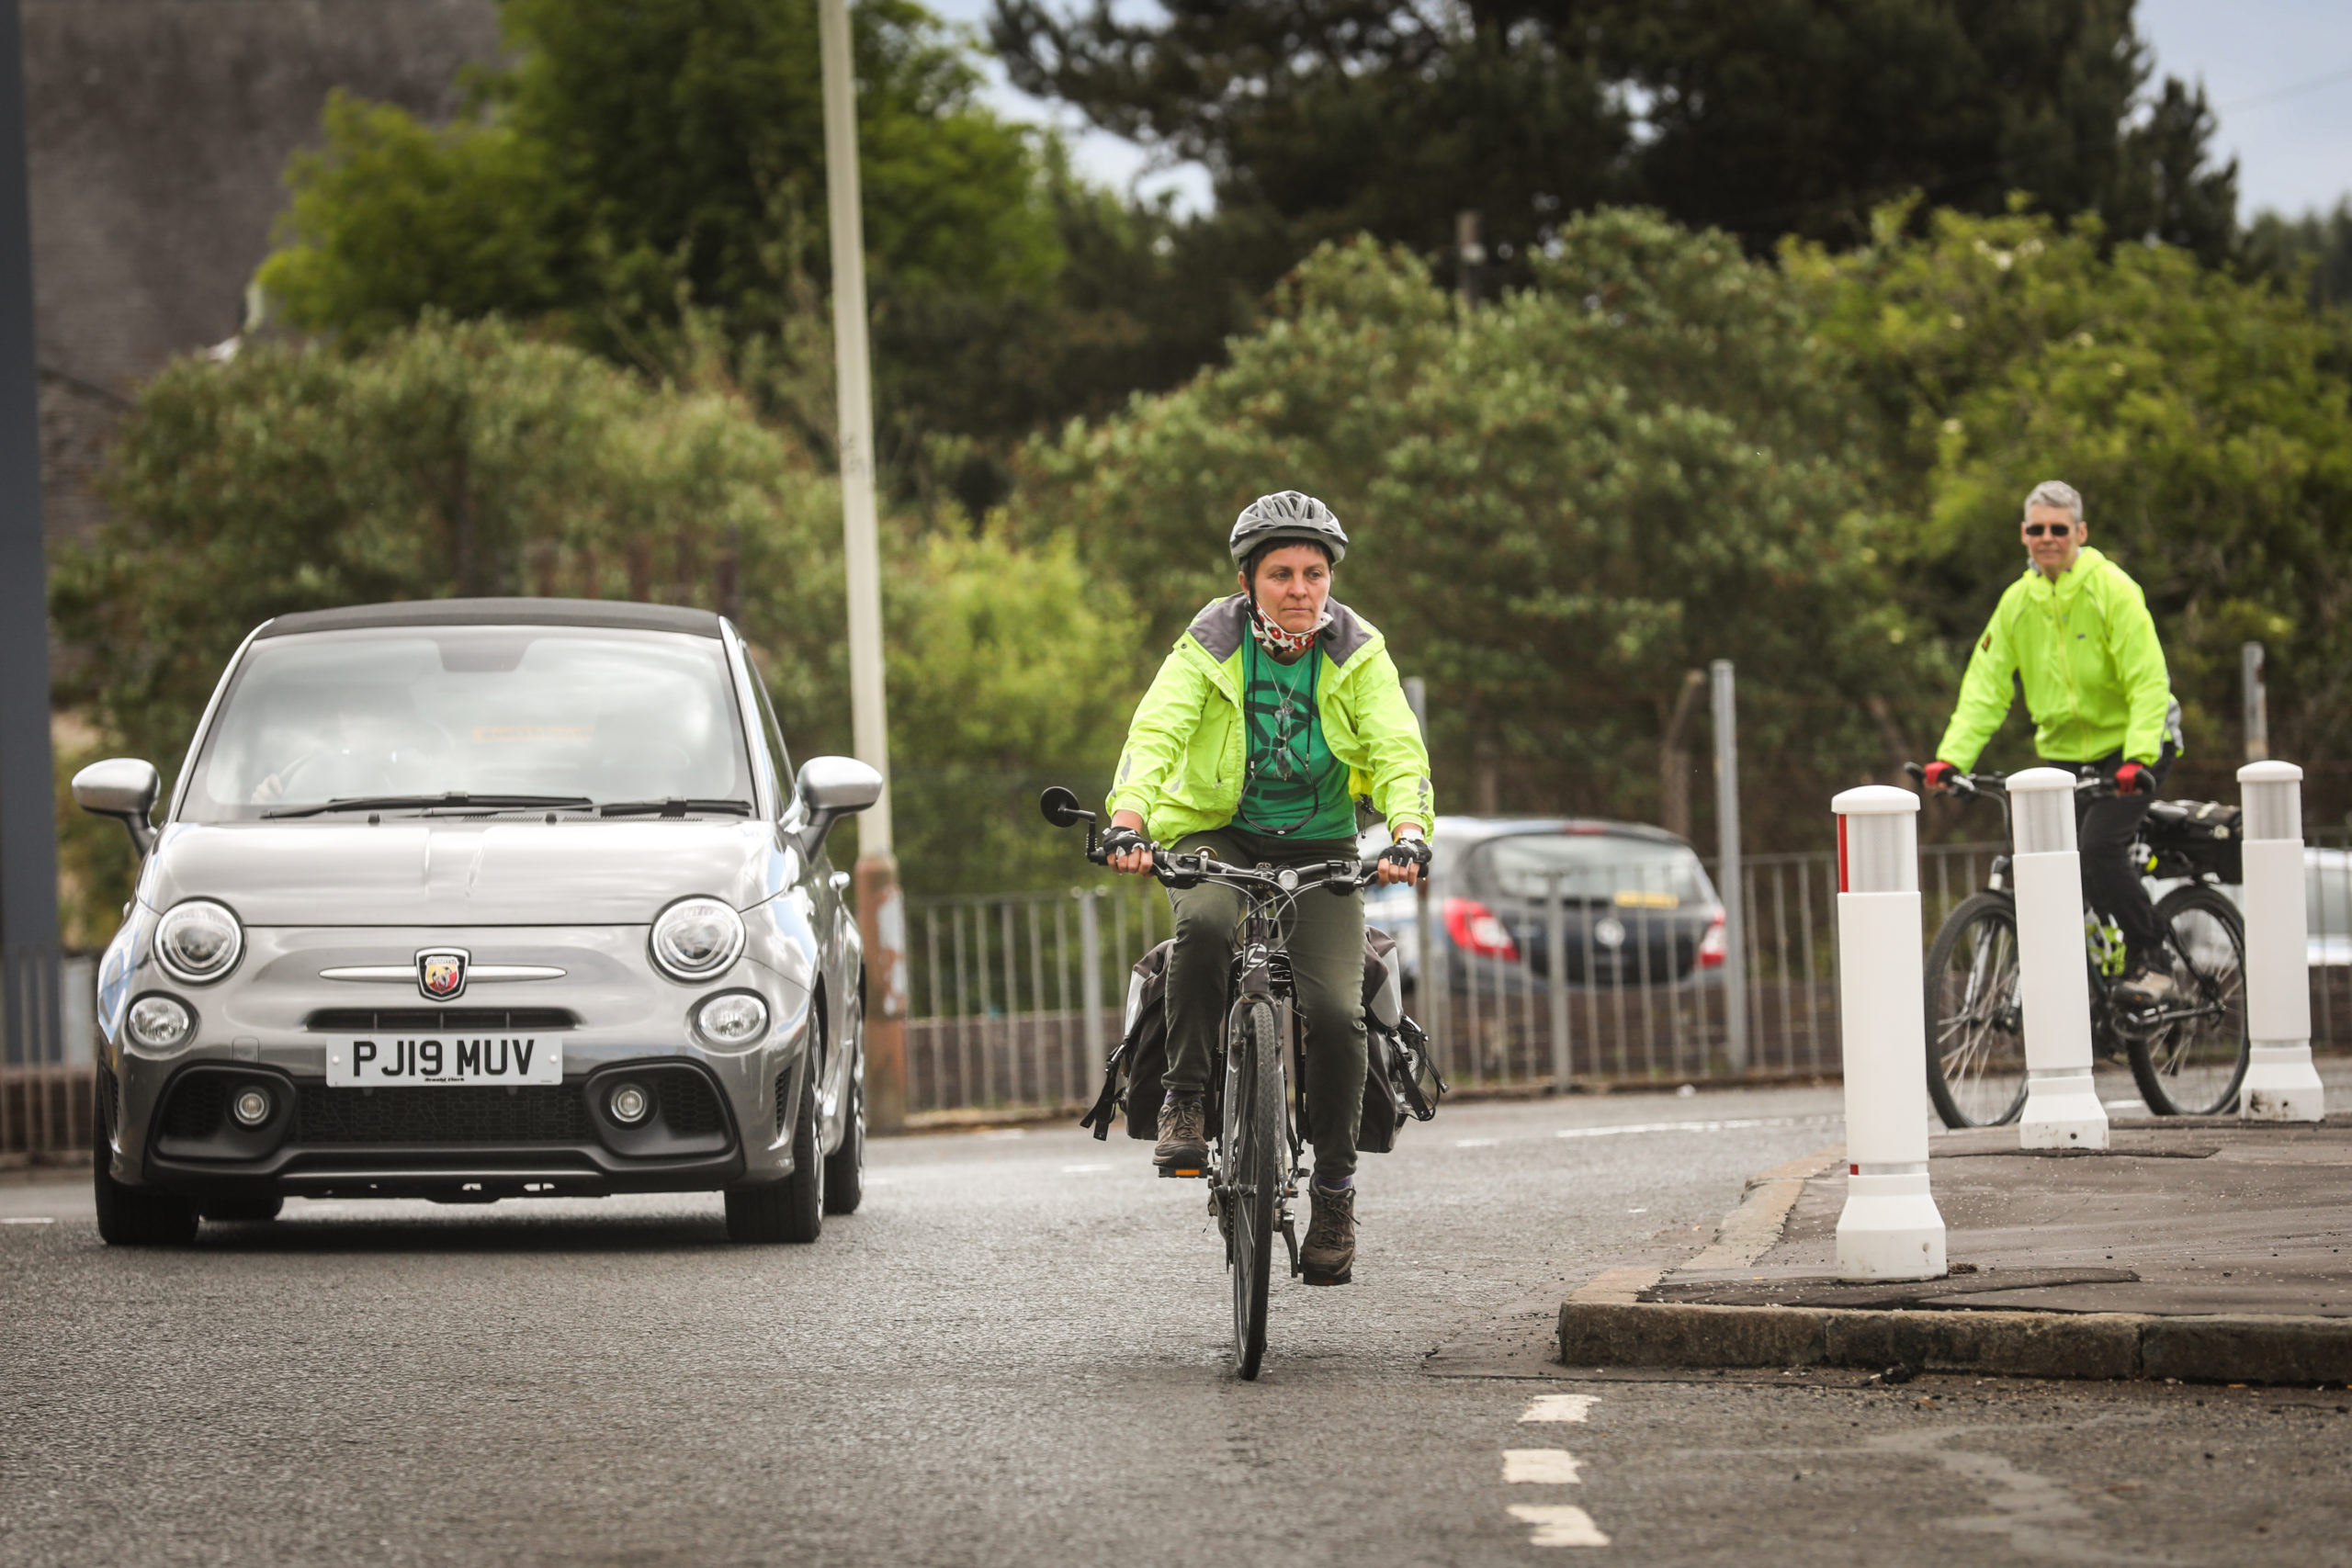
(2055, 530)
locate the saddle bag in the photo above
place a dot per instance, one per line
(1400, 1079)
(2195, 838)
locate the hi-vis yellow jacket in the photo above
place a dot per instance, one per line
(1183, 766)
(2087, 652)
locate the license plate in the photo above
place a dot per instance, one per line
(382, 1061)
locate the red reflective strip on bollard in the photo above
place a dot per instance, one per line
(1841, 855)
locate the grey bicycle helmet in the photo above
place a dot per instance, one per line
(1288, 514)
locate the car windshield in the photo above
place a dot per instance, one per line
(569, 713)
(1601, 868)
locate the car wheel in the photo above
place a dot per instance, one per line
(793, 1209)
(845, 1166)
(127, 1217)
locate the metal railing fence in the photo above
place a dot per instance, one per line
(1016, 998)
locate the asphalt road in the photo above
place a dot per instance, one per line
(1017, 1354)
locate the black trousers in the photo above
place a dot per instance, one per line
(1326, 944)
(2110, 879)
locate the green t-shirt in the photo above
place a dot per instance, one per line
(1296, 788)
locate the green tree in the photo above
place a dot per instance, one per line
(635, 154)
(1758, 117)
(456, 459)
(639, 167)
(2313, 252)
(2204, 418)
(1559, 504)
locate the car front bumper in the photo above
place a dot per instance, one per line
(471, 1141)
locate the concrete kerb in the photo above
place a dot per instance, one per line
(1606, 1324)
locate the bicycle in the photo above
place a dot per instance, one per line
(1257, 1157)
(2188, 1057)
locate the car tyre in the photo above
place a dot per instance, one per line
(845, 1166)
(126, 1216)
(792, 1210)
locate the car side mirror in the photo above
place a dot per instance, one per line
(829, 788)
(123, 787)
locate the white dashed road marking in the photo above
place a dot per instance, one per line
(1559, 1406)
(1540, 1467)
(1075, 1169)
(1693, 1126)
(1552, 1524)
(29, 1219)
(1476, 1143)
(1557, 1524)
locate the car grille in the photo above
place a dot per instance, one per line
(347, 1020)
(689, 1105)
(528, 1114)
(782, 1102)
(196, 1106)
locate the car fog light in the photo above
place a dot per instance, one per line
(160, 1023)
(629, 1104)
(738, 1017)
(251, 1106)
(199, 940)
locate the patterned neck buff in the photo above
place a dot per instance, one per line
(1273, 639)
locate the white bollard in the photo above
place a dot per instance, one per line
(1890, 1229)
(2281, 1085)
(2061, 1108)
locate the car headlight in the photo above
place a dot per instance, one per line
(199, 940)
(159, 1023)
(734, 1020)
(697, 938)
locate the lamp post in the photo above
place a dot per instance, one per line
(29, 952)
(881, 916)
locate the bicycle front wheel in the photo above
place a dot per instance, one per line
(1976, 1034)
(1252, 1135)
(2192, 1061)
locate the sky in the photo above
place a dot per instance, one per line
(2277, 72)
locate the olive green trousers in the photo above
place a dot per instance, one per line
(1324, 935)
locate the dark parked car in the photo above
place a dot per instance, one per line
(1632, 905)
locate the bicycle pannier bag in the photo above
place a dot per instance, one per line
(1399, 1078)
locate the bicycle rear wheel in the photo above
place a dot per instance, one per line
(1975, 1037)
(1252, 1170)
(2193, 1062)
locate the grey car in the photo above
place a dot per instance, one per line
(472, 899)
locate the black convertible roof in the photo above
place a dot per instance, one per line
(499, 612)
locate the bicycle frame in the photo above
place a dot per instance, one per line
(1261, 971)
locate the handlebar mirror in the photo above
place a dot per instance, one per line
(1062, 808)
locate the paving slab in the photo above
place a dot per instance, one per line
(2192, 1247)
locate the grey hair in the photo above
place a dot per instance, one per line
(2056, 492)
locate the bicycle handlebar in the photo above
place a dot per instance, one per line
(1968, 786)
(1178, 870)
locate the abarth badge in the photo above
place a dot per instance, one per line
(441, 975)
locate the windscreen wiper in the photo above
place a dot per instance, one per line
(673, 806)
(414, 802)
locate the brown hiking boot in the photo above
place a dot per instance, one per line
(1184, 1147)
(1328, 1255)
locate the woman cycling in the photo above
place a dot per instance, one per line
(1277, 713)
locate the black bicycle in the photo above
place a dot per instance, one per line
(1256, 1157)
(2188, 1055)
